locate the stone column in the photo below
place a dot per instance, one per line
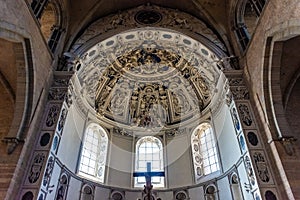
(261, 183)
(39, 171)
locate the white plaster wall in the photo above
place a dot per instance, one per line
(69, 147)
(165, 195)
(120, 161)
(133, 195)
(53, 182)
(224, 189)
(196, 193)
(244, 179)
(102, 193)
(179, 168)
(227, 140)
(74, 189)
(17, 21)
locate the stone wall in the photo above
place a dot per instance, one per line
(279, 22)
(16, 25)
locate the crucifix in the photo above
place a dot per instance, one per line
(148, 174)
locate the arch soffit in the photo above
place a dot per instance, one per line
(93, 125)
(203, 125)
(111, 25)
(277, 35)
(25, 84)
(145, 139)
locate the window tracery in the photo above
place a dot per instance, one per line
(204, 149)
(94, 153)
(38, 7)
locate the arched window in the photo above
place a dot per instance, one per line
(149, 149)
(94, 153)
(204, 151)
(49, 20)
(247, 16)
(49, 15)
(37, 7)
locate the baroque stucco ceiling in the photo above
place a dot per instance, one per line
(142, 68)
(149, 78)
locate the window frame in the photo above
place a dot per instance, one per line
(201, 153)
(102, 144)
(160, 160)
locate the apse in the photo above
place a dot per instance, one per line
(148, 78)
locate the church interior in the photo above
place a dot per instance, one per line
(149, 99)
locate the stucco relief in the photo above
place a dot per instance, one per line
(262, 168)
(143, 104)
(140, 53)
(52, 116)
(36, 167)
(133, 18)
(239, 93)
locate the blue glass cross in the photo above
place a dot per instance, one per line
(148, 174)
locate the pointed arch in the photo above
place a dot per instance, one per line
(49, 16)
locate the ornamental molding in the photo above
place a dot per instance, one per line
(145, 16)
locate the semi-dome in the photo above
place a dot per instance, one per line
(148, 78)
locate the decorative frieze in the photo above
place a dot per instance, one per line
(261, 166)
(123, 132)
(48, 172)
(57, 94)
(52, 116)
(247, 121)
(42, 164)
(239, 93)
(162, 17)
(61, 121)
(36, 167)
(175, 132)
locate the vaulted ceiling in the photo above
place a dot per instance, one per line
(106, 35)
(82, 13)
